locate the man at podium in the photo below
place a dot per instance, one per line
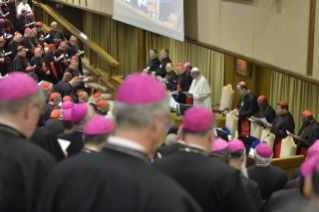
(246, 108)
(283, 122)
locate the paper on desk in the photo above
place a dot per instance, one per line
(64, 144)
(174, 92)
(289, 133)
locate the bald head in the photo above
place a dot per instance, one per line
(171, 139)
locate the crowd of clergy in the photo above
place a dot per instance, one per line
(113, 162)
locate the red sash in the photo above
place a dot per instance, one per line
(303, 151)
(277, 146)
(54, 70)
(244, 126)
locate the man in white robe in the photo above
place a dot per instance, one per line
(200, 90)
(25, 5)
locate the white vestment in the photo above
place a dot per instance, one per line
(26, 6)
(201, 92)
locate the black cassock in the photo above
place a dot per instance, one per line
(308, 135)
(64, 64)
(153, 64)
(55, 126)
(20, 24)
(27, 43)
(167, 150)
(101, 113)
(280, 199)
(48, 110)
(253, 189)
(49, 142)
(63, 88)
(41, 34)
(171, 81)
(70, 51)
(56, 72)
(161, 71)
(279, 127)
(215, 185)
(24, 170)
(127, 184)
(35, 42)
(73, 94)
(71, 71)
(3, 64)
(12, 10)
(19, 63)
(247, 107)
(250, 161)
(55, 35)
(184, 82)
(93, 105)
(76, 140)
(12, 47)
(269, 114)
(296, 173)
(292, 183)
(40, 68)
(269, 179)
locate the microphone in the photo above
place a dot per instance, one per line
(243, 131)
(264, 138)
(99, 75)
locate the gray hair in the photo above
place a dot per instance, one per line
(140, 115)
(96, 139)
(166, 51)
(15, 106)
(89, 114)
(171, 139)
(236, 155)
(262, 161)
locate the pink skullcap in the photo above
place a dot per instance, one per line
(67, 105)
(67, 115)
(138, 89)
(188, 64)
(317, 141)
(234, 145)
(23, 85)
(1, 20)
(264, 150)
(78, 112)
(197, 119)
(313, 150)
(23, 10)
(30, 14)
(219, 144)
(307, 167)
(98, 125)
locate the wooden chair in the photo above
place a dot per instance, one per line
(269, 139)
(288, 164)
(288, 147)
(255, 130)
(231, 123)
(226, 101)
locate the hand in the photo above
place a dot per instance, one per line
(27, 25)
(78, 54)
(5, 16)
(159, 155)
(164, 81)
(2, 55)
(66, 153)
(57, 60)
(297, 138)
(35, 2)
(268, 125)
(41, 39)
(235, 112)
(47, 73)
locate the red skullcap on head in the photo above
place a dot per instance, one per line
(55, 113)
(53, 23)
(37, 49)
(62, 42)
(1, 39)
(72, 37)
(66, 74)
(20, 47)
(54, 95)
(38, 24)
(73, 61)
(97, 95)
(307, 113)
(171, 64)
(17, 35)
(67, 98)
(29, 68)
(180, 65)
(45, 84)
(76, 78)
(262, 97)
(81, 94)
(101, 103)
(74, 57)
(51, 46)
(283, 103)
(242, 83)
(27, 29)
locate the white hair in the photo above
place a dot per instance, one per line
(171, 139)
(237, 156)
(262, 161)
(53, 23)
(140, 115)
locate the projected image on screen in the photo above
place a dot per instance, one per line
(165, 17)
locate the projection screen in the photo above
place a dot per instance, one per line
(164, 17)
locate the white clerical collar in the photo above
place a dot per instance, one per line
(196, 146)
(118, 141)
(10, 124)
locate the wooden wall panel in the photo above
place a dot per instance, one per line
(315, 72)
